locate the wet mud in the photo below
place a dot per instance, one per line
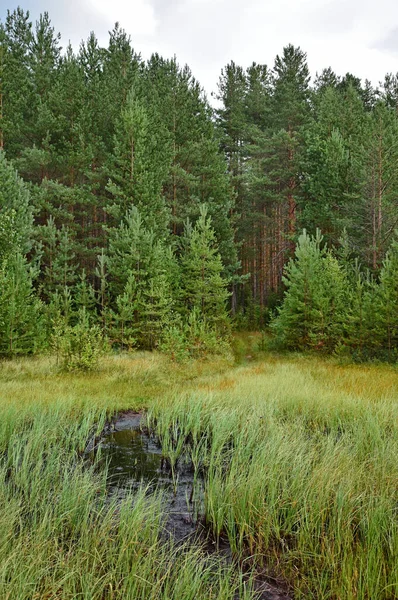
(134, 457)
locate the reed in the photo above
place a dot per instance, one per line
(300, 474)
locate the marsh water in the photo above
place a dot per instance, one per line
(134, 457)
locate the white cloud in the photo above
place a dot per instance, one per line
(136, 16)
(389, 42)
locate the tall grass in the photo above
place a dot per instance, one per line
(299, 474)
(62, 537)
(299, 459)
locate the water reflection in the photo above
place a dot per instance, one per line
(132, 456)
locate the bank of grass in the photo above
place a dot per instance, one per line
(299, 457)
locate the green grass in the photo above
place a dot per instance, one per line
(300, 463)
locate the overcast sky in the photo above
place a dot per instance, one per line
(360, 36)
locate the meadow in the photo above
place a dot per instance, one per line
(299, 459)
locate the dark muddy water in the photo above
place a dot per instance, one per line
(135, 458)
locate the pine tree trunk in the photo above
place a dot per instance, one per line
(290, 198)
(374, 225)
(1, 122)
(380, 202)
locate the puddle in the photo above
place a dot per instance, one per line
(135, 458)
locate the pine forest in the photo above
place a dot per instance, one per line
(130, 205)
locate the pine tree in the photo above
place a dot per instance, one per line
(57, 258)
(16, 218)
(156, 312)
(326, 172)
(130, 250)
(326, 79)
(128, 305)
(361, 335)
(95, 130)
(36, 159)
(120, 71)
(203, 287)
(20, 310)
(101, 274)
(387, 305)
(332, 166)
(84, 296)
(258, 96)
(312, 313)
(197, 172)
(389, 91)
(376, 214)
(276, 110)
(139, 167)
(142, 268)
(290, 103)
(3, 50)
(45, 55)
(232, 118)
(67, 104)
(242, 121)
(18, 102)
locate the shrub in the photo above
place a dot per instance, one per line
(194, 338)
(78, 347)
(175, 344)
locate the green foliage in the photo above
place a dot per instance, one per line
(387, 304)
(139, 167)
(16, 219)
(203, 287)
(84, 295)
(313, 311)
(333, 305)
(326, 174)
(194, 338)
(142, 267)
(128, 304)
(174, 342)
(101, 274)
(203, 339)
(78, 347)
(20, 311)
(57, 256)
(361, 340)
(120, 157)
